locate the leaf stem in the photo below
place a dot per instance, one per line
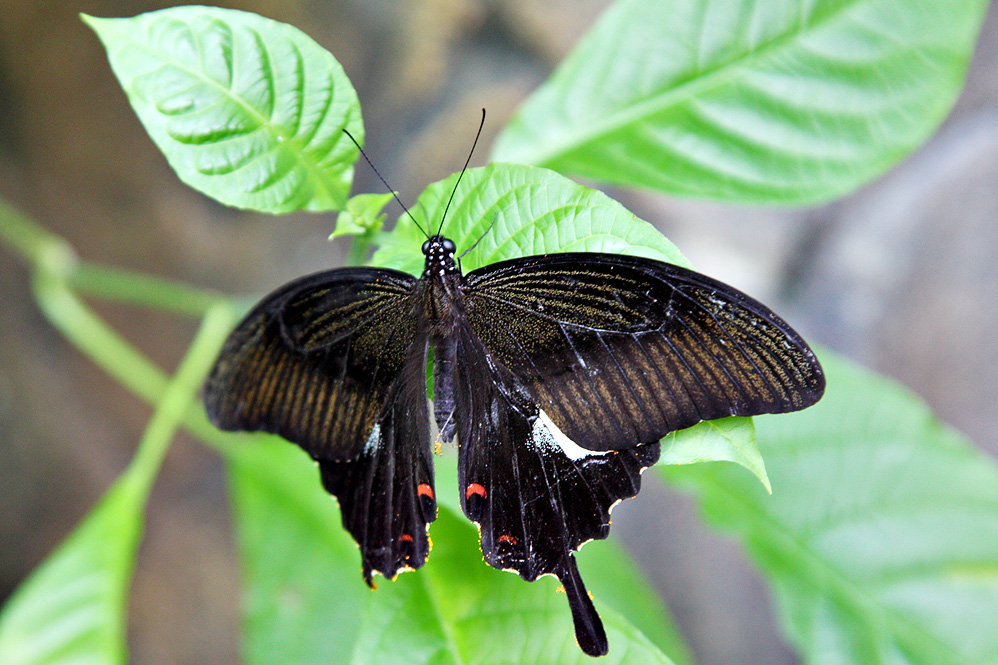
(49, 253)
(26, 236)
(143, 290)
(96, 339)
(179, 394)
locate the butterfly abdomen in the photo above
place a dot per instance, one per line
(443, 386)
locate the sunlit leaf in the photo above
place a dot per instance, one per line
(748, 100)
(247, 110)
(72, 608)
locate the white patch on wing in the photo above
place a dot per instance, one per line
(373, 439)
(546, 433)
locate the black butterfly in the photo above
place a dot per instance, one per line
(558, 374)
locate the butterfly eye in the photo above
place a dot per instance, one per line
(426, 247)
(449, 246)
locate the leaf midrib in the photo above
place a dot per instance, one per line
(683, 92)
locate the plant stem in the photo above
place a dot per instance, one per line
(178, 396)
(96, 339)
(48, 252)
(144, 290)
(26, 236)
(56, 270)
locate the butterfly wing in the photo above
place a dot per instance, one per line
(334, 363)
(534, 498)
(620, 350)
(568, 371)
(386, 494)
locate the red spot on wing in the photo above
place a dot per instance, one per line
(424, 490)
(474, 488)
(406, 538)
(506, 538)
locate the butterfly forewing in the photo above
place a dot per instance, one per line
(620, 350)
(334, 363)
(313, 361)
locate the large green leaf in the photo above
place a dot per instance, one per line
(881, 537)
(247, 110)
(512, 210)
(303, 592)
(306, 601)
(749, 100)
(459, 611)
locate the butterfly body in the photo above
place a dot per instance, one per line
(557, 375)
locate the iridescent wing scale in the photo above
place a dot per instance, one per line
(620, 350)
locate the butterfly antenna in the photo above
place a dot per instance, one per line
(385, 183)
(463, 169)
(485, 233)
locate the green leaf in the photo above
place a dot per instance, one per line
(303, 594)
(512, 210)
(773, 102)
(881, 537)
(72, 608)
(306, 601)
(247, 110)
(724, 440)
(362, 215)
(457, 610)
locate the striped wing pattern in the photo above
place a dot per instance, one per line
(386, 493)
(621, 350)
(333, 363)
(314, 360)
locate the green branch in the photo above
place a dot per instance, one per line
(58, 274)
(50, 254)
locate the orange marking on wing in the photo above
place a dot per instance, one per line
(474, 488)
(424, 490)
(506, 538)
(406, 538)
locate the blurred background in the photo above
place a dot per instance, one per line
(900, 276)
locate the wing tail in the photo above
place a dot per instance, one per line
(588, 626)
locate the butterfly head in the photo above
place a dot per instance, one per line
(439, 253)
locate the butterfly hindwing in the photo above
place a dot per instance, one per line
(535, 495)
(333, 362)
(386, 494)
(620, 350)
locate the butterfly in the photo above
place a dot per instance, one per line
(557, 374)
